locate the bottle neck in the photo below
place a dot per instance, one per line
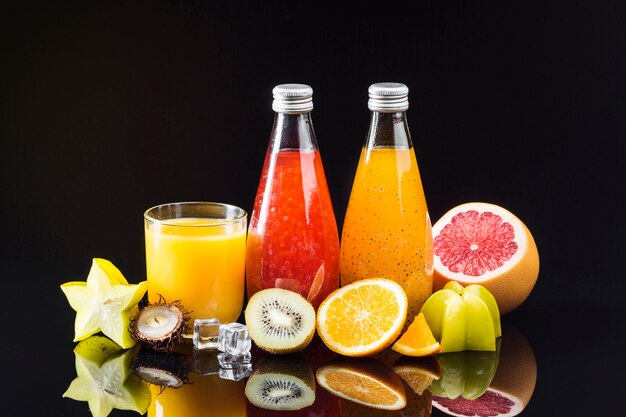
(388, 130)
(293, 132)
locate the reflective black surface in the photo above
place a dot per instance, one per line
(110, 107)
(577, 348)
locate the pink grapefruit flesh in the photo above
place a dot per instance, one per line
(482, 243)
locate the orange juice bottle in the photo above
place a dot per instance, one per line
(387, 230)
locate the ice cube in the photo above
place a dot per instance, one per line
(206, 333)
(237, 373)
(234, 339)
(206, 362)
(227, 360)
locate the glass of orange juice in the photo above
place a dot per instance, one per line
(195, 253)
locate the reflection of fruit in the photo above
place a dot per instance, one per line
(418, 340)
(106, 302)
(280, 321)
(465, 374)
(365, 381)
(512, 386)
(463, 318)
(362, 318)
(104, 380)
(416, 406)
(486, 244)
(418, 373)
(281, 383)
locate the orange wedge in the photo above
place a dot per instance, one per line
(418, 373)
(363, 381)
(418, 340)
(362, 318)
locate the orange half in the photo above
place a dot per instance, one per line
(364, 381)
(362, 318)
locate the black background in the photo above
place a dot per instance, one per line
(108, 108)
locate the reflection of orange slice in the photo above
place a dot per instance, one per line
(362, 318)
(418, 340)
(418, 373)
(365, 381)
(416, 406)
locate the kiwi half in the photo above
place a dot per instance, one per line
(280, 321)
(281, 383)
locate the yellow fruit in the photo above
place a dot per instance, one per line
(482, 243)
(362, 318)
(418, 340)
(364, 381)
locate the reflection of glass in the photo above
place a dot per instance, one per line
(510, 389)
(204, 396)
(195, 252)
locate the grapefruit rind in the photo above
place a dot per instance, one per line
(510, 283)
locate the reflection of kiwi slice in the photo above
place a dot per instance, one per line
(281, 383)
(280, 321)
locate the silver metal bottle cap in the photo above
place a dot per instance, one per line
(292, 98)
(388, 97)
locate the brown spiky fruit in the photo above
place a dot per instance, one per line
(160, 326)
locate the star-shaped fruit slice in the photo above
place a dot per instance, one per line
(104, 379)
(106, 302)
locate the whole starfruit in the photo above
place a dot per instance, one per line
(463, 318)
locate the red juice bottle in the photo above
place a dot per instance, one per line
(293, 241)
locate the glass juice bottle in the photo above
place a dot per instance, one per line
(387, 230)
(293, 242)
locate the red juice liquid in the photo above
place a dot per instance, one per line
(293, 241)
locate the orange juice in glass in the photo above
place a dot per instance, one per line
(387, 231)
(195, 253)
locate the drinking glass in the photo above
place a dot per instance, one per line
(195, 253)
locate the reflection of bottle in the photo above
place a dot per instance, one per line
(293, 241)
(205, 396)
(386, 232)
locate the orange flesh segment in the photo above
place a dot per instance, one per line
(360, 388)
(418, 340)
(371, 312)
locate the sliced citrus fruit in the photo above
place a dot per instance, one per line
(362, 318)
(418, 340)
(418, 373)
(364, 381)
(482, 243)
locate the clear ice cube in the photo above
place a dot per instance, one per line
(227, 360)
(206, 333)
(237, 373)
(206, 362)
(234, 339)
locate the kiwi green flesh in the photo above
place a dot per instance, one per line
(280, 321)
(275, 391)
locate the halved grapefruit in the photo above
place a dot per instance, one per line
(482, 243)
